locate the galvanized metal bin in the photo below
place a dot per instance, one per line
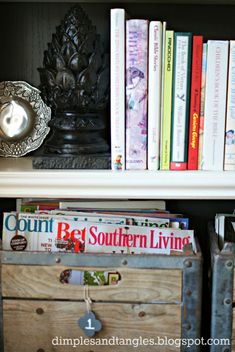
(1, 312)
(222, 294)
(158, 296)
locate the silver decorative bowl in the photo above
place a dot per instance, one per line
(24, 118)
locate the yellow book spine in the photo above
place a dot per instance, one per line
(167, 101)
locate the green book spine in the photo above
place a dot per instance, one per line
(167, 97)
(180, 100)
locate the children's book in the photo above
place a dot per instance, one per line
(215, 105)
(167, 98)
(154, 94)
(180, 100)
(195, 97)
(136, 93)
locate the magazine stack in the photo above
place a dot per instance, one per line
(114, 227)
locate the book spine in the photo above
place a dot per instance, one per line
(162, 86)
(167, 95)
(154, 93)
(117, 65)
(202, 106)
(229, 159)
(136, 93)
(180, 100)
(195, 103)
(215, 105)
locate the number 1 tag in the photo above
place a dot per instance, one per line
(89, 324)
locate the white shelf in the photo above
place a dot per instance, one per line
(19, 180)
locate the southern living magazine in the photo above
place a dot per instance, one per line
(55, 234)
(136, 239)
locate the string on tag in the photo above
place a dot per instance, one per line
(89, 323)
(87, 299)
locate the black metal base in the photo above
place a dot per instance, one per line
(87, 161)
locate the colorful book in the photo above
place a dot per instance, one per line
(117, 65)
(180, 100)
(154, 94)
(194, 114)
(136, 93)
(167, 96)
(202, 105)
(215, 105)
(229, 156)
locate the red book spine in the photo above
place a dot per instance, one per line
(195, 103)
(175, 166)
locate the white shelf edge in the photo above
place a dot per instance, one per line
(108, 184)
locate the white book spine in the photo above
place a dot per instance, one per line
(136, 93)
(202, 107)
(180, 97)
(215, 105)
(154, 93)
(117, 65)
(229, 159)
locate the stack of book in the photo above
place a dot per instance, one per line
(122, 227)
(172, 98)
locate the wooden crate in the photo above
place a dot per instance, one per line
(222, 294)
(157, 296)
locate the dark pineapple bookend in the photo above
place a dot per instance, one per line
(75, 84)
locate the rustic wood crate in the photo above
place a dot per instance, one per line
(157, 296)
(222, 294)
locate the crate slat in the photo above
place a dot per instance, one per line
(60, 319)
(137, 285)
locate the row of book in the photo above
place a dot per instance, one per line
(77, 228)
(172, 98)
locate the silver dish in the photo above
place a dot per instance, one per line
(24, 118)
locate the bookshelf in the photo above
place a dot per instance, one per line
(26, 27)
(25, 40)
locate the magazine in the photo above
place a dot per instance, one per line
(57, 234)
